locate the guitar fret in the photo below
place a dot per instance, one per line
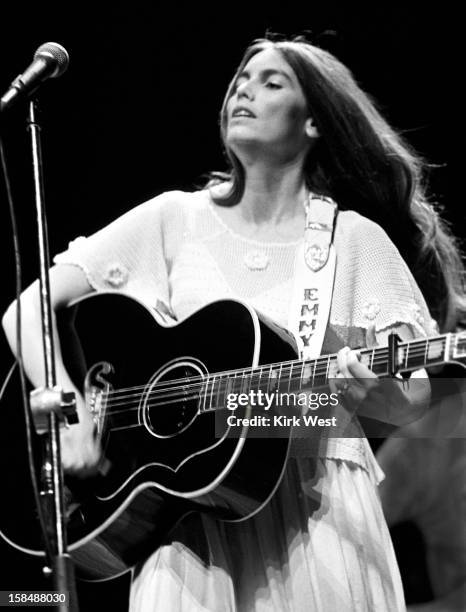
(212, 384)
(222, 392)
(289, 379)
(219, 401)
(412, 360)
(307, 380)
(269, 378)
(279, 378)
(320, 372)
(206, 403)
(448, 353)
(203, 396)
(228, 387)
(292, 383)
(314, 373)
(245, 382)
(238, 383)
(259, 382)
(233, 386)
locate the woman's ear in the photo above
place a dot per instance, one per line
(311, 128)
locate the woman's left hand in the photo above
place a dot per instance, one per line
(391, 400)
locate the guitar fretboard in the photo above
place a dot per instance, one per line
(213, 391)
(292, 376)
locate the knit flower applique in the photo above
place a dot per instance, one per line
(416, 313)
(256, 260)
(116, 275)
(371, 309)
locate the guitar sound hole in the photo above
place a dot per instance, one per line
(170, 407)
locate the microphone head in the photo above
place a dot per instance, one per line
(56, 55)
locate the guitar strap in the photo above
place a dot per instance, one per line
(314, 277)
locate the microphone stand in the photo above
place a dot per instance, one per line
(49, 404)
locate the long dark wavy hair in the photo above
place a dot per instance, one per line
(366, 166)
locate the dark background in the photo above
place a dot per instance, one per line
(137, 114)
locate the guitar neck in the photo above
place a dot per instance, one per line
(214, 391)
(292, 376)
(412, 355)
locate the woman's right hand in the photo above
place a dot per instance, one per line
(80, 449)
(81, 452)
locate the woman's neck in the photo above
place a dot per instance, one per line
(273, 195)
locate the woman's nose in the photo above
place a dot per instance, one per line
(245, 90)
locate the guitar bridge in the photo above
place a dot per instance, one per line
(96, 390)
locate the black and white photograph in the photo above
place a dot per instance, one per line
(233, 310)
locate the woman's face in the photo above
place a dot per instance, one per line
(267, 111)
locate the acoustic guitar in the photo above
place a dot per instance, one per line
(159, 395)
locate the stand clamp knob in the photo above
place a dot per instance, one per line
(44, 401)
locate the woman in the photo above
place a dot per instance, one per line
(293, 122)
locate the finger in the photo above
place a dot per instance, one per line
(332, 385)
(359, 371)
(342, 356)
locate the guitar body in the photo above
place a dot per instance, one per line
(165, 457)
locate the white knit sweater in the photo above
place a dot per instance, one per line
(176, 254)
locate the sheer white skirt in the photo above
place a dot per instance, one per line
(321, 544)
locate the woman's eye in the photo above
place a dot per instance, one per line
(273, 85)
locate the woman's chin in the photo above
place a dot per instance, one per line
(242, 142)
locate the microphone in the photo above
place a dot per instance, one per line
(50, 61)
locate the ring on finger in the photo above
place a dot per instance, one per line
(342, 390)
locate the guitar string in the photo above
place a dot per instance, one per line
(319, 367)
(379, 356)
(200, 410)
(203, 385)
(188, 382)
(378, 359)
(185, 398)
(153, 405)
(201, 390)
(294, 363)
(168, 390)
